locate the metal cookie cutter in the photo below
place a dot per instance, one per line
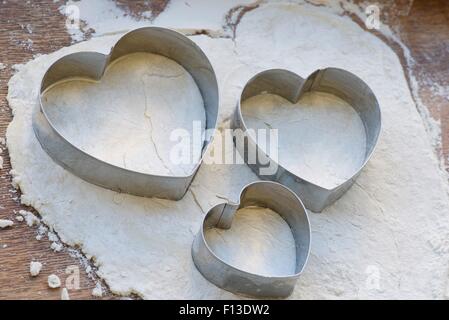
(261, 194)
(290, 86)
(92, 65)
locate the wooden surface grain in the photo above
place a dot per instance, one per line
(35, 27)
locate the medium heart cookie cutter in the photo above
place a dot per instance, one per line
(92, 66)
(290, 86)
(264, 194)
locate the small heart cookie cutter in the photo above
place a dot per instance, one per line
(264, 194)
(290, 86)
(92, 65)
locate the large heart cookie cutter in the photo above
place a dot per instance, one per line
(92, 65)
(264, 194)
(290, 86)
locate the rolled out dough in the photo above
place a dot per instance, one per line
(387, 237)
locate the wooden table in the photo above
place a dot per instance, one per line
(422, 25)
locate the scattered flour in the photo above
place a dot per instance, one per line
(35, 268)
(19, 218)
(97, 291)
(190, 16)
(1, 162)
(29, 217)
(56, 246)
(54, 281)
(41, 231)
(104, 17)
(52, 236)
(390, 220)
(5, 223)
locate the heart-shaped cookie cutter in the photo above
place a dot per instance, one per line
(264, 194)
(290, 86)
(92, 66)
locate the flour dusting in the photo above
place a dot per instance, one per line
(392, 221)
(53, 281)
(5, 223)
(35, 268)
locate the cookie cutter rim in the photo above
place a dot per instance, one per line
(236, 280)
(291, 86)
(91, 66)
